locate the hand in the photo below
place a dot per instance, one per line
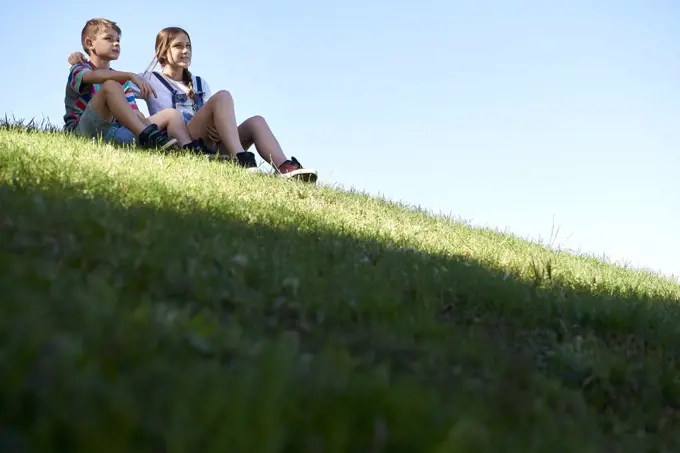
(145, 89)
(77, 58)
(211, 132)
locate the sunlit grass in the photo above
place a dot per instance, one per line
(169, 303)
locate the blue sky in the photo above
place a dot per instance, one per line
(515, 115)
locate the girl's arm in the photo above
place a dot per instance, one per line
(206, 90)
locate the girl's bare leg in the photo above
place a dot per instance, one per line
(256, 131)
(218, 112)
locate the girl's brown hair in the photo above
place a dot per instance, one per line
(163, 41)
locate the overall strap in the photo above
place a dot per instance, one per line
(165, 82)
(199, 84)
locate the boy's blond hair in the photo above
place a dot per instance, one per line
(95, 26)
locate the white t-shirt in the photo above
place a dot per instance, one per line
(164, 99)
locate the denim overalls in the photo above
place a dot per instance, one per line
(183, 102)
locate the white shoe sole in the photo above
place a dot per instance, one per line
(172, 144)
(303, 174)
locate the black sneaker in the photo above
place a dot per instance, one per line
(247, 161)
(198, 147)
(152, 138)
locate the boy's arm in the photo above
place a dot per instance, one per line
(102, 75)
(82, 75)
(139, 88)
(96, 76)
(135, 89)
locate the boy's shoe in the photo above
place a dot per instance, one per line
(247, 161)
(153, 138)
(293, 169)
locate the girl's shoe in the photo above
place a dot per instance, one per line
(247, 160)
(292, 168)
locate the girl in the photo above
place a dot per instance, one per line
(209, 117)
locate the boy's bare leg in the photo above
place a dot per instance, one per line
(256, 131)
(218, 112)
(172, 121)
(110, 102)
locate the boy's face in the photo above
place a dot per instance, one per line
(105, 45)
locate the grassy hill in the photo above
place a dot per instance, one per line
(157, 303)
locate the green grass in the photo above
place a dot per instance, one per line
(171, 304)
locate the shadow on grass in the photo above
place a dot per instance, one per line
(126, 329)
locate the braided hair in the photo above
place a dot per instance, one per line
(163, 41)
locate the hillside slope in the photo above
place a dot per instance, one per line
(166, 303)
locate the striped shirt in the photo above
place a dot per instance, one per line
(79, 94)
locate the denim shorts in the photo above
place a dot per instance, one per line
(92, 125)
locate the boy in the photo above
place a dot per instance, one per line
(100, 101)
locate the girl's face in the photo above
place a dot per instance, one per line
(179, 54)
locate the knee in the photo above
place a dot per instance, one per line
(110, 86)
(256, 121)
(171, 114)
(223, 96)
